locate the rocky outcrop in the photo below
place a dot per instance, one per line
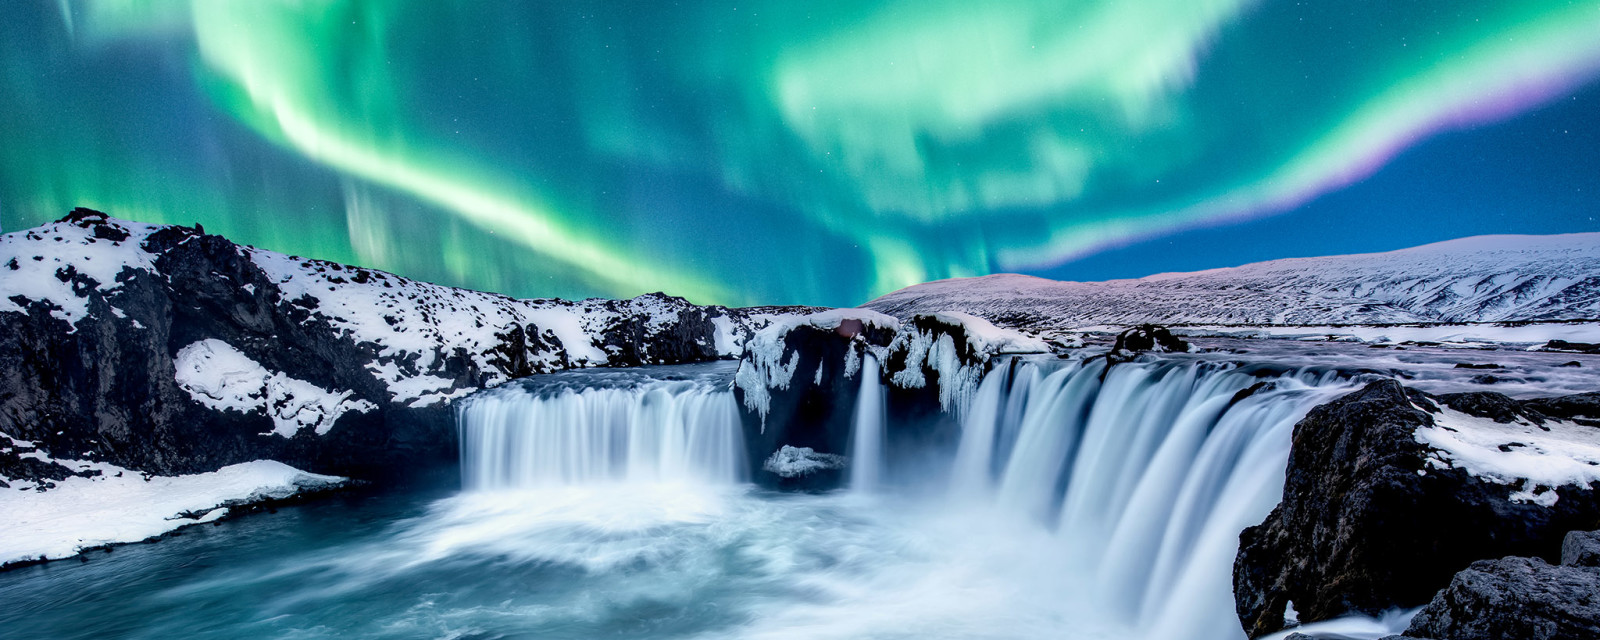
(1524, 598)
(1375, 514)
(797, 386)
(1571, 347)
(798, 381)
(1142, 339)
(165, 350)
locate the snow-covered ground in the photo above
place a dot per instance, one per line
(121, 505)
(1479, 279)
(1470, 336)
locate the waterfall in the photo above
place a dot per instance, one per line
(1145, 472)
(867, 429)
(546, 431)
(1139, 476)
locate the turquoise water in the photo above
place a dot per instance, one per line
(618, 561)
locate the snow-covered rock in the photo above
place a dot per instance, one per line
(949, 352)
(793, 462)
(1479, 279)
(1537, 456)
(772, 355)
(216, 375)
(1389, 492)
(800, 377)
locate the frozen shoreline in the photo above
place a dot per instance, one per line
(121, 506)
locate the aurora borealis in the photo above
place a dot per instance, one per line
(801, 152)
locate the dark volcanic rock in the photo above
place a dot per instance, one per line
(1577, 347)
(808, 378)
(1581, 549)
(1522, 598)
(1487, 404)
(1582, 408)
(1143, 338)
(1365, 525)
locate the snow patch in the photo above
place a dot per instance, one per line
(1538, 458)
(986, 338)
(121, 505)
(221, 377)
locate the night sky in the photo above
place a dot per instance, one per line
(813, 152)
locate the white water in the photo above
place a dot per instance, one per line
(867, 428)
(1145, 478)
(1080, 502)
(662, 431)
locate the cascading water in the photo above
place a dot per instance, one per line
(1144, 472)
(867, 428)
(1133, 480)
(613, 427)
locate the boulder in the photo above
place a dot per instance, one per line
(1574, 347)
(1145, 338)
(1523, 598)
(1367, 523)
(1581, 549)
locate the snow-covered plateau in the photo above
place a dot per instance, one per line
(1486, 279)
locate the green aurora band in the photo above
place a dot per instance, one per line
(740, 153)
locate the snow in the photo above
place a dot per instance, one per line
(568, 328)
(988, 339)
(221, 377)
(1539, 458)
(121, 506)
(793, 462)
(1481, 279)
(728, 342)
(34, 262)
(1471, 336)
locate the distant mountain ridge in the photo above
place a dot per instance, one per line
(1496, 278)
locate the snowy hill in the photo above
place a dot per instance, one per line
(1478, 279)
